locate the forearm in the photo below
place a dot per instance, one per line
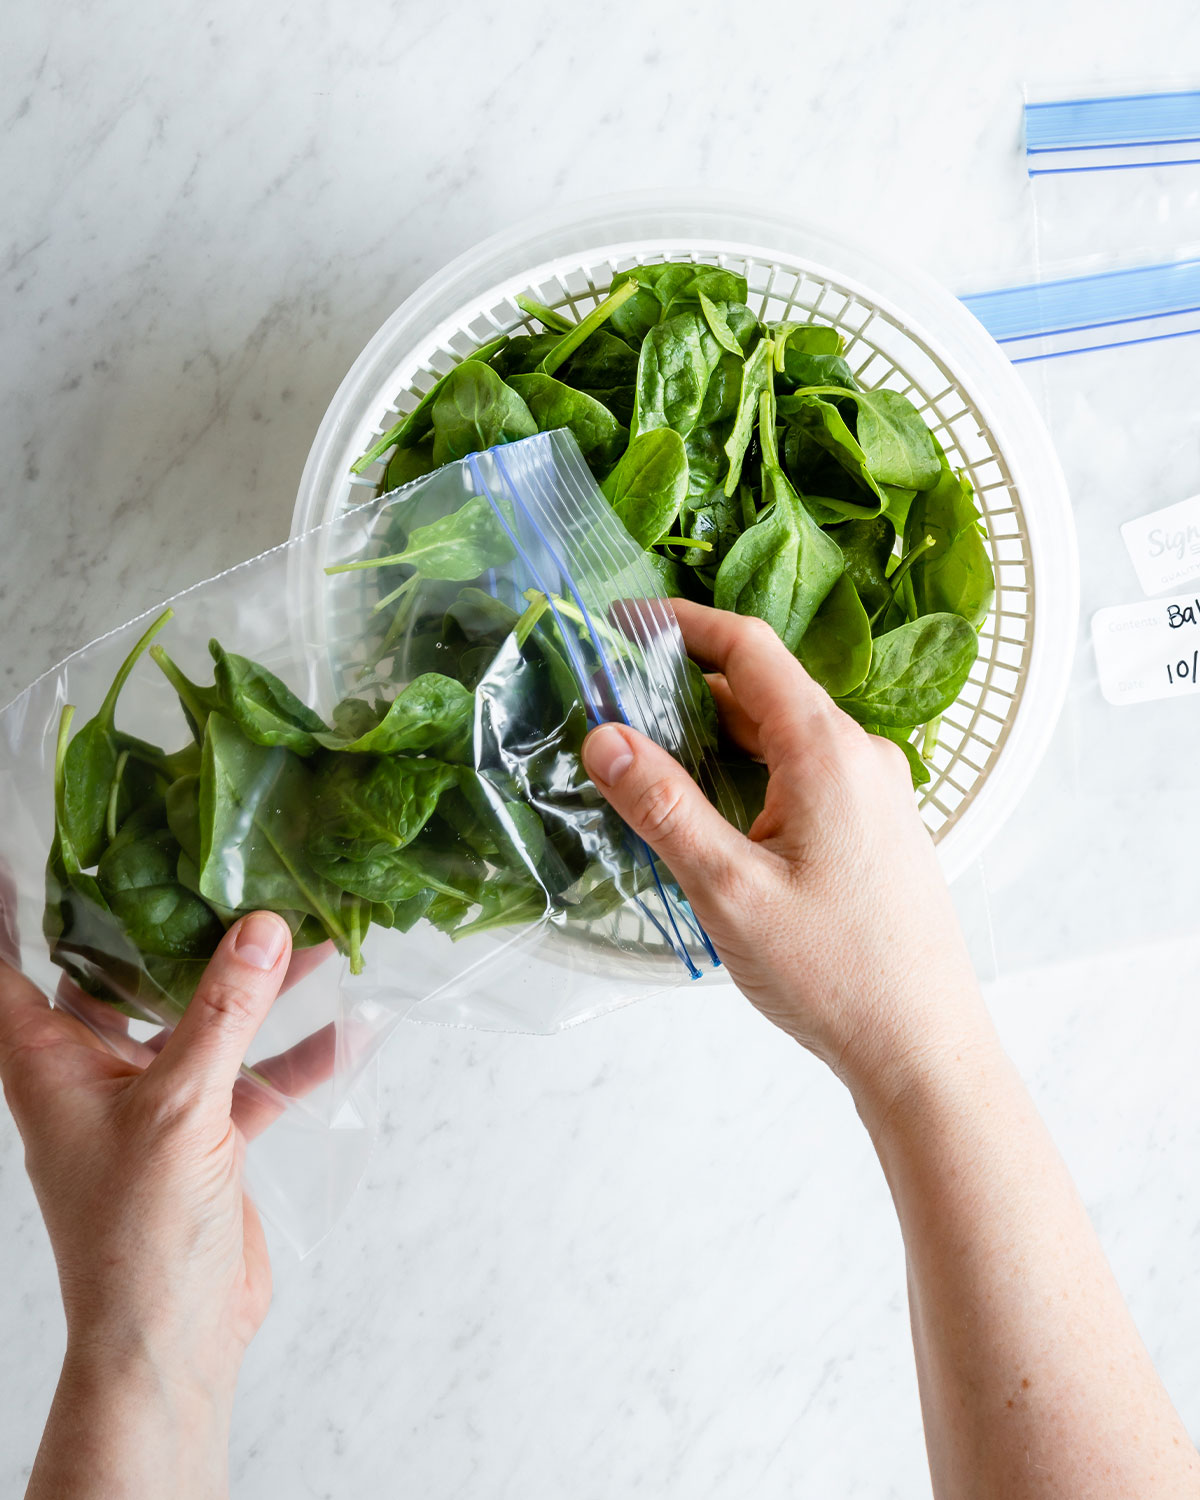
(117, 1430)
(1033, 1378)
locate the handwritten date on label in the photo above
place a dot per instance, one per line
(1148, 650)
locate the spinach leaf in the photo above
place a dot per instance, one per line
(663, 289)
(588, 325)
(457, 547)
(367, 805)
(140, 884)
(715, 317)
(649, 484)
(605, 368)
(677, 360)
(552, 404)
(836, 648)
(475, 409)
(783, 566)
(955, 574)
(434, 713)
(755, 376)
(412, 429)
(917, 671)
(810, 416)
(263, 708)
(866, 548)
(91, 765)
(255, 804)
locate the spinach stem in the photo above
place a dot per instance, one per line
(582, 330)
(109, 706)
(552, 321)
(114, 793)
(684, 541)
(897, 577)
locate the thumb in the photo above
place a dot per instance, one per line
(205, 1051)
(663, 805)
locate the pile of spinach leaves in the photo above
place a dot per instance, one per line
(756, 474)
(460, 801)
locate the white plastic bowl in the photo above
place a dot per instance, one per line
(902, 330)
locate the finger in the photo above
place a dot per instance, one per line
(289, 1075)
(10, 938)
(243, 977)
(734, 719)
(663, 805)
(768, 682)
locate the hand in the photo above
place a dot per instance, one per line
(832, 916)
(136, 1154)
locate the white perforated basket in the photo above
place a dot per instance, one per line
(901, 330)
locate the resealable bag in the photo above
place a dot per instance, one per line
(386, 753)
(1101, 853)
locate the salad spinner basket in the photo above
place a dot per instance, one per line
(901, 331)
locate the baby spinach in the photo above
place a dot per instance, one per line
(91, 764)
(917, 671)
(474, 409)
(836, 647)
(434, 713)
(955, 573)
(783, 566)
(552, 404)
(649, 484)
(678, 357)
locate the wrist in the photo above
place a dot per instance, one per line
(896, 1080)
(102, 1365)
(120, 1425)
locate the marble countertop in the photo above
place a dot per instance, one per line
(655, 1254)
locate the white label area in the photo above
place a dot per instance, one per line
(1164, 546)
(1147, 651)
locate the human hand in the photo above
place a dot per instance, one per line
(136, 1154)
(832, 916)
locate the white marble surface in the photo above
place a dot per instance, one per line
(655, 1254)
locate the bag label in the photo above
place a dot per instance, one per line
(1164, 546)
(1148, 650)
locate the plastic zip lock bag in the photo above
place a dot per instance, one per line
(395, 770)
(1101, 853)
(510, 574)
(1115, 175)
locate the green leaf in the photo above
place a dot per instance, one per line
(867, 547)
(677, 360)
(955, 575)
(255, 805)
(434, 713)
(669, 287)
(474, 410)
(756, 375)
(782, 567)
(263, 708)
(412, 429)
(917, 671)
(714, 316)
(836, 649)
(552, 404)
(366, 805)
(90, 765)
(139, 881)
(458, 546)
(649, 484)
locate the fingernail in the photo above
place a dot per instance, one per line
(606, 754)
(260, 940)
